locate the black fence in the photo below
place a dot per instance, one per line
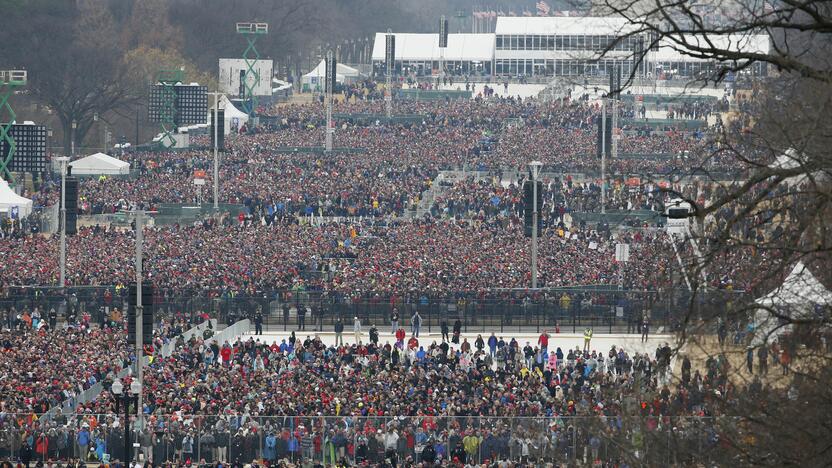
(603, 308)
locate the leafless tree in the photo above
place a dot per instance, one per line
(770, 216)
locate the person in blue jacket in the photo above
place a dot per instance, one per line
(269, 447)
(83, 440)
(492, 344)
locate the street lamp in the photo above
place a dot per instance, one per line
(62, 260)
(72, 147)
(534, 170)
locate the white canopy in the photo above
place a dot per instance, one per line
(425, 47)
(9, 200)
(231, 113)
(672, 49)
(562, 25)
(792, 159)
(99, 164)
(800, 297)
(342, 73)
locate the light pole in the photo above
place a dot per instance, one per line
(95, 119)
(139, 355)
(534, 169)
(72, 138)
(330, 78)
(603, 155)
(391, 63)
(216, 149)
(62, 260)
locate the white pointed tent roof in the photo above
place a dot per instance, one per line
(98, 164)
(9, 199)
(319, 73)
(792, 159)
(799, 297)
(230, 111)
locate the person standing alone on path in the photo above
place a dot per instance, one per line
(587, 338)
(356, 327)
(543, 342)
(394, 321)
(762, 355)
(258, 323)
(416, 324)
(302, 317)
(339, 332)
(645, 328)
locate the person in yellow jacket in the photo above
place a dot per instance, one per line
(587, 338)
(471, 444)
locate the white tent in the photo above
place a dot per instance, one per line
(99, 164)
(800, 297)
(343, 74)
(791, 159)
(424, 47)
(10, 200)
(234, 118)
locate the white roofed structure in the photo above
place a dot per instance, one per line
(673, 50)
(99, 164)
(10, 201)
(559, 46)
(562, 25)
(419, 53)
(801, 297)
(425, 47)
(343, 73)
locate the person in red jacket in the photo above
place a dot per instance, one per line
(42, 445)
(412, 343)
(543, 342)
(400, 334)
(225, 352)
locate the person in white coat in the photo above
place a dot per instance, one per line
(357, 329)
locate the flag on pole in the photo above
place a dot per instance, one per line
(543, 8)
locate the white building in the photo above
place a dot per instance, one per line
(555, 46)
(562, 46)
(673, 56)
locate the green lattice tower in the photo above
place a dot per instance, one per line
(250, 56)
(9, 80)
(168, 79)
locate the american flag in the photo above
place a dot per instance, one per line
(543, 8)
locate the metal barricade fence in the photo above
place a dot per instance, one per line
(604, 308)
(355, 439)
(91, 393)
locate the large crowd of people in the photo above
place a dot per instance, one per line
(452, 403)
(441, 256)
(344, 224)
(394, 163)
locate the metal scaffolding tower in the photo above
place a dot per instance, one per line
(168, 80)
(251, 31)
(9, 80)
